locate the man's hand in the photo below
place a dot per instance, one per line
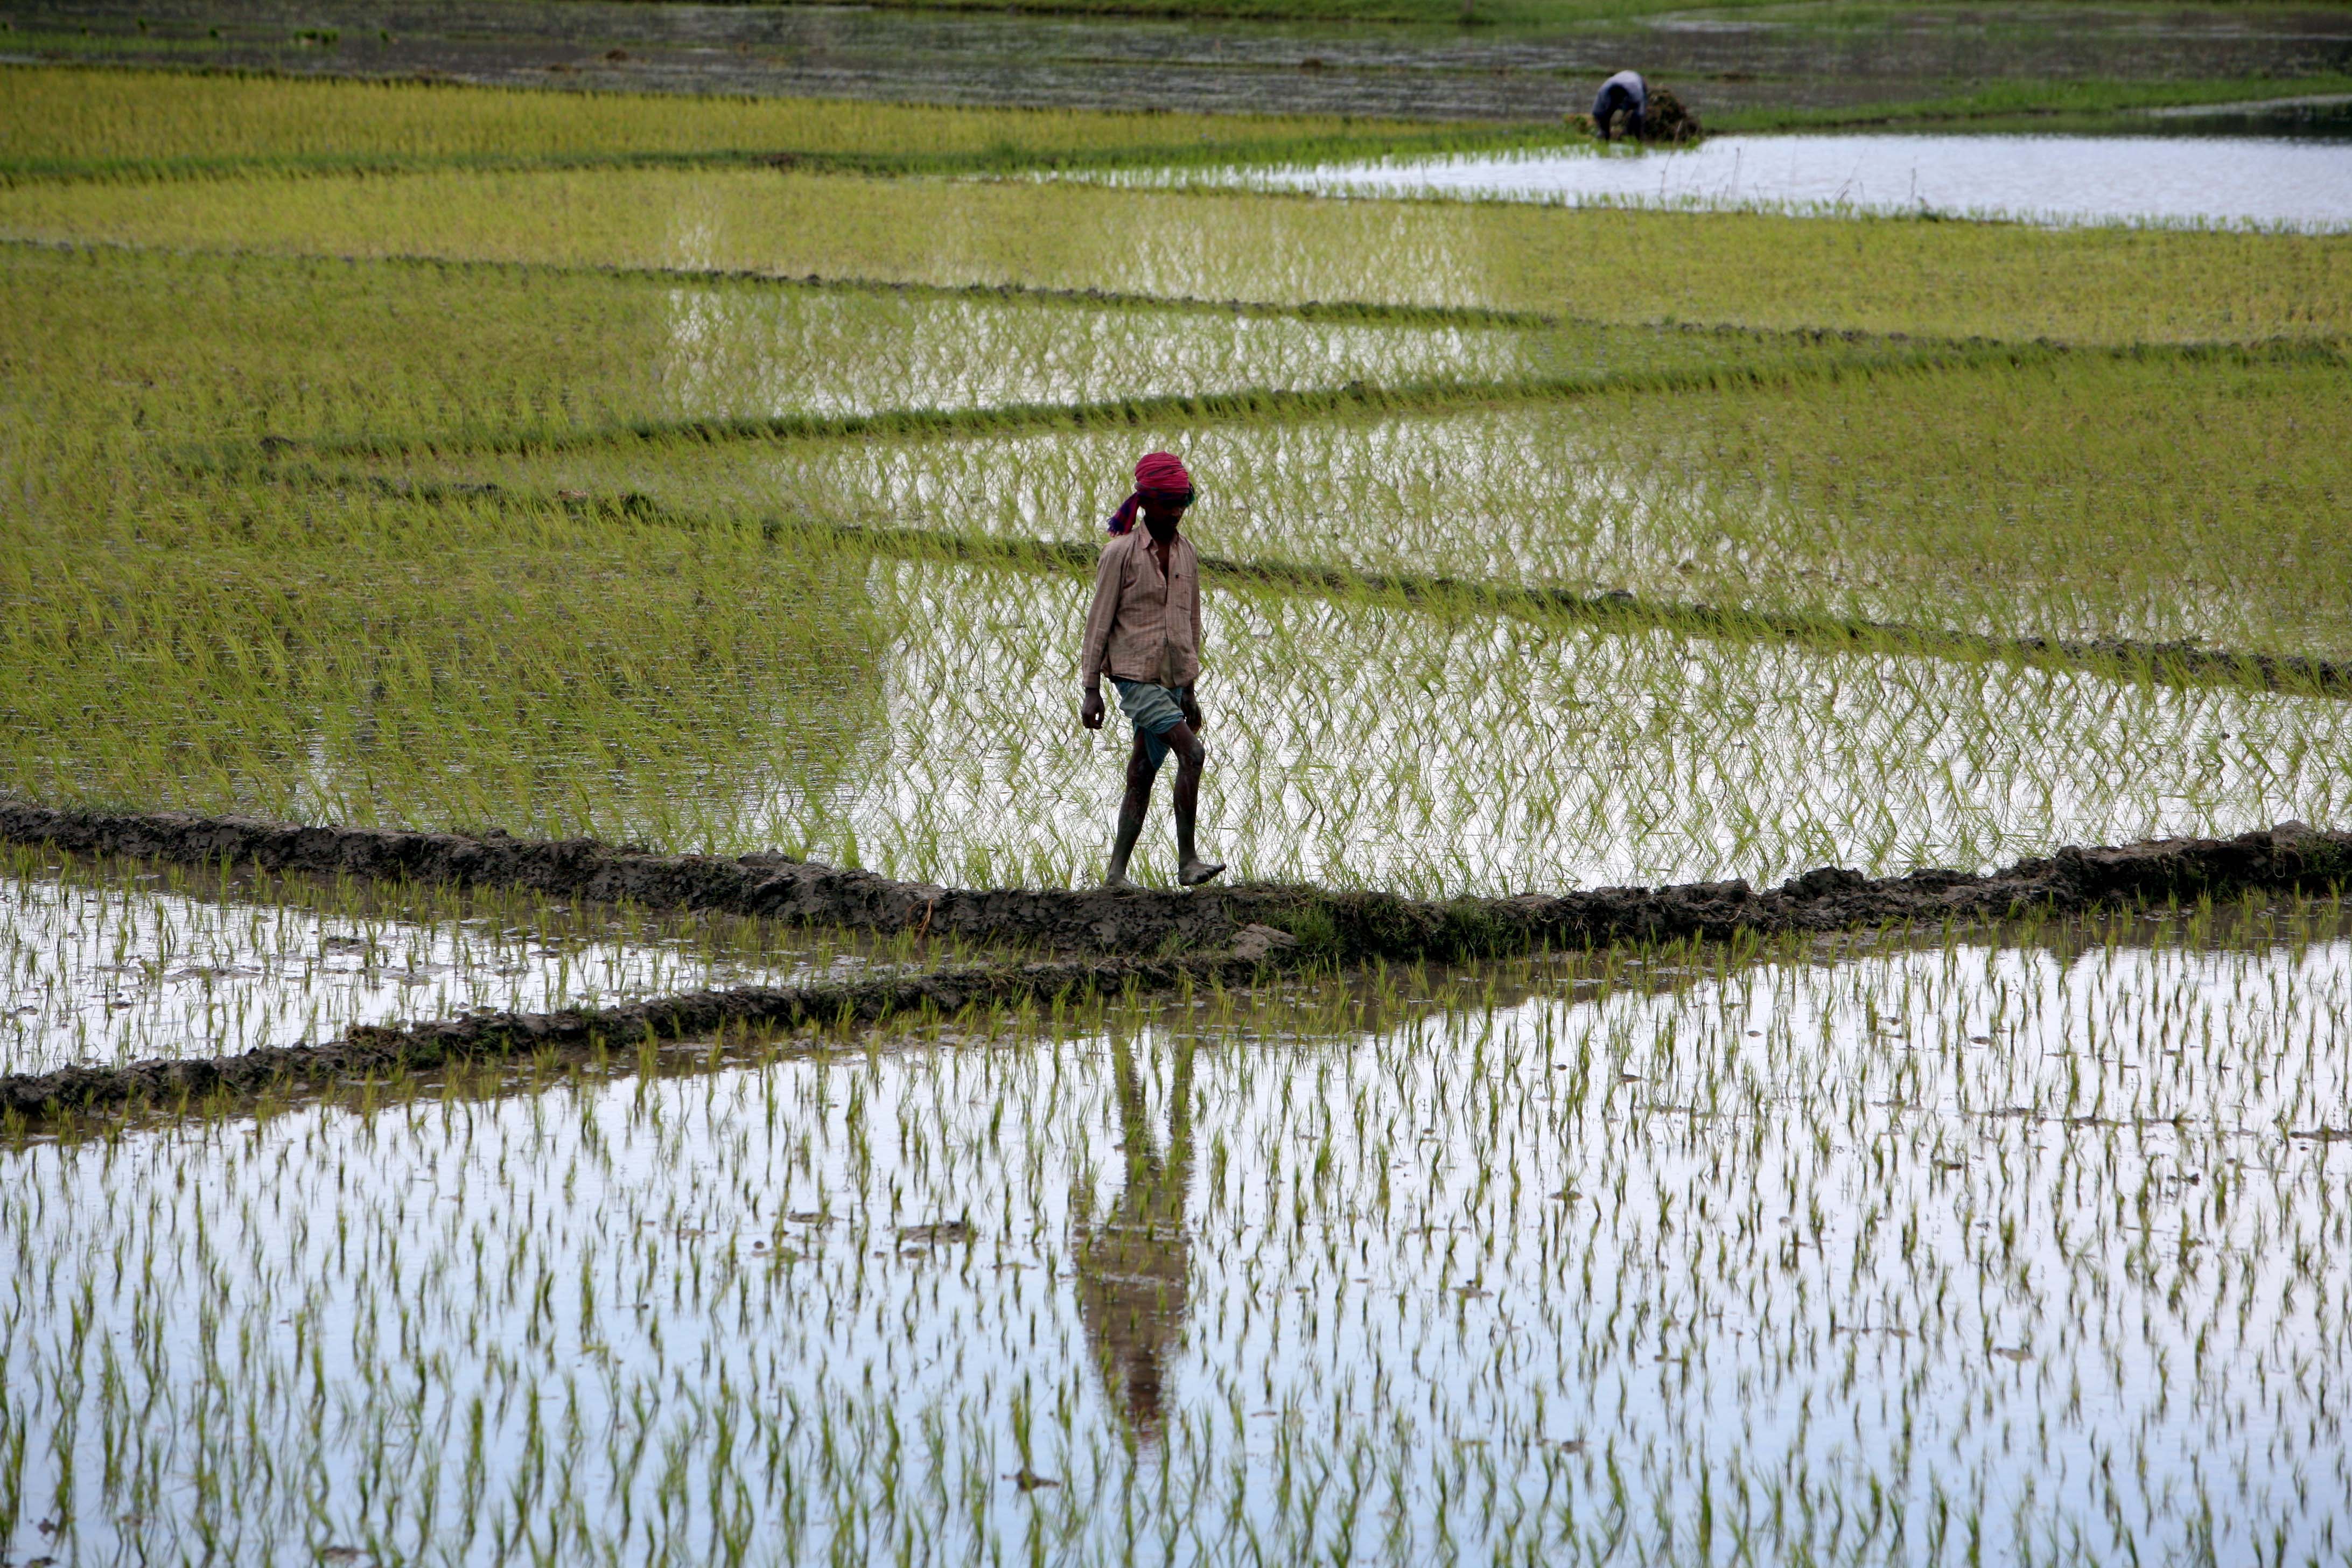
(1090, 708)
(1192, 709)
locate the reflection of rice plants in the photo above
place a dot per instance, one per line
(119, 962)
(1546, 1258)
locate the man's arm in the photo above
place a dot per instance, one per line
(1109, 571)
(1191, 705)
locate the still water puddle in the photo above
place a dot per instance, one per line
(1957, 1250)
(2065, 180)
(118, 963)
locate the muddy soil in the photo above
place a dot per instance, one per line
(1791, 58)
(374, 1051)
(1342, 927)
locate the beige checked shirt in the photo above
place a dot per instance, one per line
(1144, 625)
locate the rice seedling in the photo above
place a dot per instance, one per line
(177, 348)
(1938, 280)
(2087, 496)
(1965, 1246)
(370, 661)
(718, 688)
(108, 963)
(120, 123)
(1356, 740)
(1935, 1246)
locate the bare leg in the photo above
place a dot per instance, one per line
(1141, 772)
(1190, 870)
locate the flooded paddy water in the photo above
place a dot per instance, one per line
(1364, 743)
(2221, 182)
(110, 964)
(1985, 1246)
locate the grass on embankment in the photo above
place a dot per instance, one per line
(1892, 275)
(61, 121)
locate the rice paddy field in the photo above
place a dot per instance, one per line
(538, 467)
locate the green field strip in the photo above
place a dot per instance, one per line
(2168, 663)
(1252, 403)
(2107, 105)
(167, 122)
(2180, 664)
(999, 160)
(1269, 403)
(1636, 267)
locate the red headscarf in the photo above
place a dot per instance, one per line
(1159, 478)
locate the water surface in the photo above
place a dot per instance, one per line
(1952, 1252)
(2270, 182)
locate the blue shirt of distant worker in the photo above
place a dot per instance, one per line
(1626, 90)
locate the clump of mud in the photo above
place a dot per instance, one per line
(1667, 121)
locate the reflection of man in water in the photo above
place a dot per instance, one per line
(1134, 1264)
(1624, 91)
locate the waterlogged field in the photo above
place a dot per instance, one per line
(1938, 279)
(1998, 1247)
(1363, 742)
(528, 482)
(2074, 495)
(1358, 738)
(107, 964)
(197, 348)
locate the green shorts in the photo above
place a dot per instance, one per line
(1154, 710)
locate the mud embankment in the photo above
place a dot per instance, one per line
(374, 1051)
(1337, 926)
(1139, 939)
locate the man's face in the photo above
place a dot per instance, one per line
(1161, 517)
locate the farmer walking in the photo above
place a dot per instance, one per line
(1627, 91)
(1144, 630)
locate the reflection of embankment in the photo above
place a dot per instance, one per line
(376, 1050)
(1134, 1263)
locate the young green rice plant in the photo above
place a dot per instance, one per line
(172, 350)
(718, 690)
(2149, 497)
(1355, 739)
(57, 122)
(370, 661)
(1938, 279)
(1941, 1248)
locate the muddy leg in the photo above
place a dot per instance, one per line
(1141, 772)
(1190, 870)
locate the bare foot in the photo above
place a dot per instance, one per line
(1117, 880)
(1195, 872)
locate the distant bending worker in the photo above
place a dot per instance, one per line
(1144, 629)
(1627, 91)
